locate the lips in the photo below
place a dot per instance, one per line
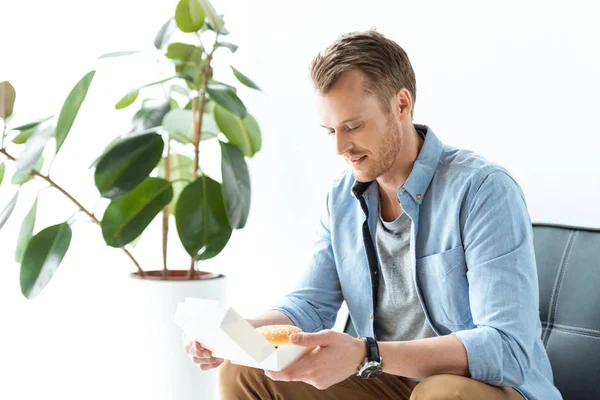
(357, 160)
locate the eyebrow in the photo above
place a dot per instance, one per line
(345, 121)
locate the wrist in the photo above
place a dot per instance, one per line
(361, 351)
(372, 365)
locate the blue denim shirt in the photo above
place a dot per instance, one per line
(473, 264)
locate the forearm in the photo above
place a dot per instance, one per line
(271, 317)
(425, 357)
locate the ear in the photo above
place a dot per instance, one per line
(404, 103)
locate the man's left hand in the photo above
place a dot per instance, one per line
(336, 356)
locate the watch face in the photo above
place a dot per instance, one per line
(371, 370)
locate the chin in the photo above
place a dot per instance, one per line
(363, 176)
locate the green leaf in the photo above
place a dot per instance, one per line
(132, 95)
(182, 168)
(7, 99)
(184, 52)
(216, 20)
(71, 108)
(43, 255)
(179, 124)
(201, 219)
(181, 90)
(164, 33)
(254, 133)
(189, 19)
(23, 136)
(118, 54)
(197, 14)
(215, 82)
(22, 177)
(210, 128)
(128, 99)
(30, 124)
(223, 30)
(10, 207)
(159, 81)
(236, 185)
(26, 232)
(126, 218)
(34, 148)
(2, 172)
(128, 164)
(244, 79)
(149, 116)
(109, 146)
(242, 133)
(27, 130)
(228, 45)
(226, 97)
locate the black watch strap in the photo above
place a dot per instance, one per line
(372, 349)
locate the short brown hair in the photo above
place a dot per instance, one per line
(382, 60)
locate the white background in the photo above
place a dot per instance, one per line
(515, 81)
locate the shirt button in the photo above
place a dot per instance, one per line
(371, 316)
(418, 196)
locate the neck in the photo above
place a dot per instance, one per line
(390, 182)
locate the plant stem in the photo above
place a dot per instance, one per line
(198, 127)
(167, 210)
(78, 204)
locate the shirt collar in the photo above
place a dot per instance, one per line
(423, 170)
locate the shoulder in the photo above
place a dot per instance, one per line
(461, 165)
(476, 176)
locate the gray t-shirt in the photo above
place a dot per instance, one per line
(399, 315)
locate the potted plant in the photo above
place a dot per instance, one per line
(152, 169)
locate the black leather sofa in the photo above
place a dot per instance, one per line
(568, 262)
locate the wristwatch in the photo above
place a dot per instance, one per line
(371, 367)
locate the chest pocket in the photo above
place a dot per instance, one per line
(444, 286)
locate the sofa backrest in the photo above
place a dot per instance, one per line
(568, 262)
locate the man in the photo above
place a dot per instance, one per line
(430, 246)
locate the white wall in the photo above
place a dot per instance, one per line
(516, 82)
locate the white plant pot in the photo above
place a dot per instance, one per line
(162, 368)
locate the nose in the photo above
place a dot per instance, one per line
(342, 145)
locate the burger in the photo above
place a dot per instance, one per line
(278, 335)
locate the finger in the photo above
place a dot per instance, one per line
(198, 347)
(205, 360)
(197, 350)
(286, 375)
(205, 367)
(300, 370)
(190, 350)
(311, 339)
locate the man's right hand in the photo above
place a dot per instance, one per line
(199, 355)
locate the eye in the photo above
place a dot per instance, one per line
(357, 127)
(330, 133)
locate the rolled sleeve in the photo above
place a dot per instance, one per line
(503, 288)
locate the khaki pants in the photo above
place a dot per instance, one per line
(241, 383)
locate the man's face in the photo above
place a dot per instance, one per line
(367, 138)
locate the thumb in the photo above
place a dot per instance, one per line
(311, 339)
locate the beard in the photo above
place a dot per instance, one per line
(385, 154)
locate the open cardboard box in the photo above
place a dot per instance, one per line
(227, 335)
